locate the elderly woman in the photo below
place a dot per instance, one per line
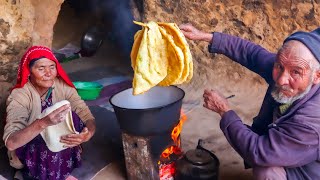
(42, 82)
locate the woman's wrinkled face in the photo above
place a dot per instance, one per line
(292, 72)
(43, 73)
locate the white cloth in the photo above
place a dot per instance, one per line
(52, 134)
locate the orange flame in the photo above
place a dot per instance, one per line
(177, 130)
(175, 137)
(167, 170)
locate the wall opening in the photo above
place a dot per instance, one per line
(113, 18)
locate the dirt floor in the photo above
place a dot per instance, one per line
(103, 159)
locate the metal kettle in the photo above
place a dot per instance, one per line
(197, 164)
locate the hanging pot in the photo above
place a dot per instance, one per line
(197, 164)
(91, 41)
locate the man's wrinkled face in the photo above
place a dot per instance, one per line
(43, 73)
(292, 72)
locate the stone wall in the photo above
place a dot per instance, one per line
(264, 22)
(22, 23)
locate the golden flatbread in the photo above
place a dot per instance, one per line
(135, 47)
(152, 60)
(181, 42)
(161, 56)
(175, 61)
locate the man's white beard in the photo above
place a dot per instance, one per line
(281, 98)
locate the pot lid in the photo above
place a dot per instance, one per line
(199, 157)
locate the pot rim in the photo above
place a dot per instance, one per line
(146, 109)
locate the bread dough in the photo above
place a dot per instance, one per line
(51, 135)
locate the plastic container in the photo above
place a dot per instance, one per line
(88, 90)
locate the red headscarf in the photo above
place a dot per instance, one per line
(33, 53)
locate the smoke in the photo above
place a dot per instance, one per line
(117, 17)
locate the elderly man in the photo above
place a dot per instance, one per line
(283, 142)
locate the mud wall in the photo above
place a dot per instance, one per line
(22, 23)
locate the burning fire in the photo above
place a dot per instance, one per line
(167, 171)
(175, 137)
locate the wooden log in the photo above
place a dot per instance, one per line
(138, 158)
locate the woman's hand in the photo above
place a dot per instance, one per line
(56, 116)
(193, 33)
(72, 140)
(214, 101)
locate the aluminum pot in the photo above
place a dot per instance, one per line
(154, 112)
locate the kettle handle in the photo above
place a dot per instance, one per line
(200, 142)
(199, 146)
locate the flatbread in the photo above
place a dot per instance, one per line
(161, 56)
(135, 47)
(52, 134)
(175, 60)
(182, 43)
(152, 60)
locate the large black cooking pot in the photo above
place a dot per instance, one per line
(156, 111)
